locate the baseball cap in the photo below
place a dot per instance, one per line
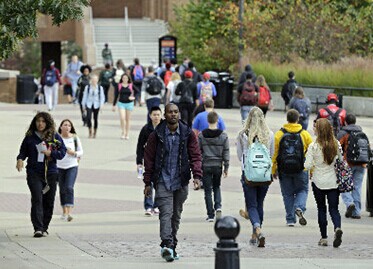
(188, 74)
(206, 75)
(332, 96)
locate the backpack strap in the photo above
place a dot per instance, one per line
(75, 142)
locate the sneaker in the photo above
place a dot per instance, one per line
(38, 234)
(63, 217)
(208, 219)
(218, 213)
(69, 218)
(356, 217)
(337, 237)
(302, 220)
(244, 214)
(148, 212)
(45, 233)
(290, 224)
(253, 242)
(261, 240)
(323, 242)
(156, 211)
(350, 210)
(167, 254)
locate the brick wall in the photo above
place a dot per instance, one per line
(8, 90)
(115, 8)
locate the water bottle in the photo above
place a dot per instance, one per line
(139, 173)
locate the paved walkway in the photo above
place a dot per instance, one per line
(109, 229)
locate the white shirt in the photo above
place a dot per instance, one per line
(324, 175)
(71, 161)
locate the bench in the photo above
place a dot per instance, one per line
(317, 96)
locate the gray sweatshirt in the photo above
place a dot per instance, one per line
(214, 145)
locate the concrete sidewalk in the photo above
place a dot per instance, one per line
(110, 230)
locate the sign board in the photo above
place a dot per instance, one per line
(167, 48)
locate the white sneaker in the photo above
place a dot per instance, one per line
(218, 213)
(156, 211)
(63, 217)
(148, 212)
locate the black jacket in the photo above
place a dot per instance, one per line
(141, 142)
(287, 91)
(187, 90)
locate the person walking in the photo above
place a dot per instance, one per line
(201, 123)
(320, 159)
(105, 79)
(83, 82)
(214, 145)
(265, 97)
(247, 96)
(124, 99)
(354, 143)
(248, 70)
(68, 167)
(187, 90)
(288, 89)
(107, 57)
(51, 81)
(302, 104)
(152, 90)
(171, 97)
(41, 146)
(93, 99)
(73, 73)
(117, 72)
(171, 153)
(205, 90)
(291, 144)
(255, 128)
(137, 76)
(155, 115)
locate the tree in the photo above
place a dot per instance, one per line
(18, 19)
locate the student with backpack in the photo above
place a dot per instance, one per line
(105, 79)
(264, 95)
(93, 100)
(166, 74)
(255, 146)
(171, 97)
(288, 89)
(214, 145)
(247, 96)
(205, 90)
(51, 79)
(335, 115)
(320, 160)
(137, 76)
(83, 81)
(152, 90)
(291, 144)
(124, 98)
(357, 153)
(302, 104)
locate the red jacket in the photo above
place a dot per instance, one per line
(333, 108)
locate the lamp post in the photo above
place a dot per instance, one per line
(240, 35)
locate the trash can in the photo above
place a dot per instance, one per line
(25, 89)
(224, 88)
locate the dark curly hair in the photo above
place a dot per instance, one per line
(84, 67)
(50, 128)
(72, 126)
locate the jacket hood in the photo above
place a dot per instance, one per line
(248, 68)
(292, 127)
(208, 133)
(352, 127)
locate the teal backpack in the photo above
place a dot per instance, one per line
(257, 163)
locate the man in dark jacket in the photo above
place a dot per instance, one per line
(155, 116)
(171, 153)
(248, 70)
(289, 88)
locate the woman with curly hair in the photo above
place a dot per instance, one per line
(255, 128)
(42, 147)
(320, 159)
(83, 81)
(68, 167)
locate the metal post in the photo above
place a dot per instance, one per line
(227, 251)
(240, 35)
(126, 16)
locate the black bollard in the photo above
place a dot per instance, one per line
(227, 251)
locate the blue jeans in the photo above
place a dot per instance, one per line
(211, 183)
(254, 200)
(294, 190)
(149, 201)
(304, 123)
(245, 111)
(151, 103)
(354, 197)
(333, 200)
(66, 181)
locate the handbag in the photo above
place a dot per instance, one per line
(344, 175)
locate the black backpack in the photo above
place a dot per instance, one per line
(334, 120)
(290, 158)
(358, 150)
(153, 86)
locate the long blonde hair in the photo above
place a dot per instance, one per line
(256, 126)
(325, 138)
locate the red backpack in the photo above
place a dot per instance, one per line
(264, 97)
(167, 77)
(249, 97)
